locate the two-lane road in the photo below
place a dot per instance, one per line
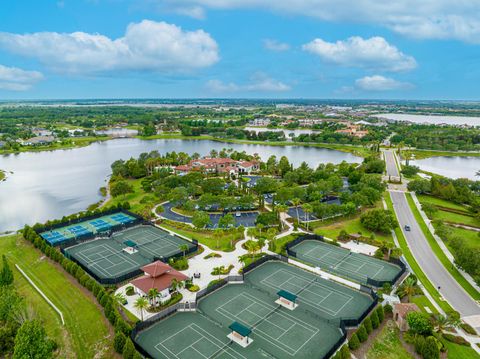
(392, 169)
(428, 261)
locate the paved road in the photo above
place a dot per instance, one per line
(392, 169)
(429, 262)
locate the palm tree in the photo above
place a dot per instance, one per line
(218, 270)
(174, 284)
(251, 247)
(281, 208)
(296, 202)
(153, 295)
(450, 321)
(184, 249)
(408, 288)
(141, 304)
(307, 208)
(260, 227)
(119, 298)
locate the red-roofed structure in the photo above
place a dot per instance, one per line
(157, 275)
(219, 165)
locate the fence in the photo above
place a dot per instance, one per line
(217, 285)
(262, 260)
(380, 283)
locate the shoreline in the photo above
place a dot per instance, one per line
(353, 149)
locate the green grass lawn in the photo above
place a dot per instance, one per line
(278, 245)
(225, 243)
(440, 254)
(422, 302)
(73, 142)
(414, 265)
(332, 228)
(456, 218)
(456, 351)
(420, 154)
(423, 198)
(86, 331)
(132, 198)
(472, 238)
(387, 344)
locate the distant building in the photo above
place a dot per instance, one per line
(39, 140)
(159, 276)
(400, 311)
(353, 130)
(40, 132)
(219, 165)
(260, 122)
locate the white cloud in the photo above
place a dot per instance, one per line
(381, 83)
(15, 79)
(146, 46)
(259, 82)
(373, 53)
(425, 19)
(275, 45)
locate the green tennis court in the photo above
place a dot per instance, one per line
(322, 297)
(276, 332)
(341, 261)
(109, 258)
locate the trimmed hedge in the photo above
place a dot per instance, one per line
(455, 339)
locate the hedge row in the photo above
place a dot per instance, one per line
(122, 342)
(369, 324)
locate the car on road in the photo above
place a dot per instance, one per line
(407, 228)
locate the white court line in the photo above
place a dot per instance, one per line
(259, 332)
(318, 284)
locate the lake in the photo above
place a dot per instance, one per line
(453, 167)
(432, 119)
(51, 184)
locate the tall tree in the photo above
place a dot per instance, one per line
(31, 342)
(6, 275)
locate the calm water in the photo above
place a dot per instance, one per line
(47, 185)
(453, 167)
(435, 120)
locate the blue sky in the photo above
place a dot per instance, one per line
(406, 49)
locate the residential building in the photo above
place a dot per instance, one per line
(219, 165)
(353, 130)
(39, 140)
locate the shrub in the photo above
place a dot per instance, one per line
(130, 290)
(468, 329)
(455, 339)
(380, 313)
(419, 343)
(374, 320)
(128, 349)
(354, 343)
(387, 309)
(362, 333)
(430, 349)
(345, 352)
(119, 342)
(419, 323)
(368, 325)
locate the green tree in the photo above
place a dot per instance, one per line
(368, 325)
(430, 349)
(379, 220)
(201, 219)
(141, 304)
(408, 288)
(120, 188)
(6, 275)
(183, 248)
(129, 349)
(307, 208)
(419, 343)
(362, 333)
(296, 202)
(31, 342)
(419, 323)
(374, 319)
(354, 343)
(152, 296)
(119, 341)
(380, 313)
(226, 221)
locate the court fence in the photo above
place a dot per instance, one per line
(380, 283)
(217, 285)
(88, 236)
(260, 261)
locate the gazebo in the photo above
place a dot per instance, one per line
(240, 334)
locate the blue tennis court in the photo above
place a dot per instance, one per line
(92, 226)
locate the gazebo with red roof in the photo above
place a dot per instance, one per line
(157, 275)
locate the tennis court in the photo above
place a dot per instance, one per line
(91, 226)
(341, 261)
(276, 332)
(107, 258)
(322, 297)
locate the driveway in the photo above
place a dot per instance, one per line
(431, 266)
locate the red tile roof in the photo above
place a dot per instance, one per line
(159, 275)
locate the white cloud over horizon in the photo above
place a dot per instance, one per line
(426, 19)
(373, 53)
(146, 46)
(275, 45)
(381, 83)
(15, 79)
(259, 82)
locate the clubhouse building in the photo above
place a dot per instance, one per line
(218, 165)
